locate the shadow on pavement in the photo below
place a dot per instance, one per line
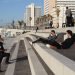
(19, 59)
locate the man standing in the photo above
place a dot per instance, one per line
(3, 53)
(68, 17)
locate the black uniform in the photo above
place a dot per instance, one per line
(3, 54)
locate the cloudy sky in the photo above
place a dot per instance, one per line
(14, 9)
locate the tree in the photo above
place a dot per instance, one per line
(12, 24)
(57, 12)
(30, 18)
(49, 17)
(20, 23)
(37, 21)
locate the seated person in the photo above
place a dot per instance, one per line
(3, 53)
(73, 37)
(67, 43)
(51, 37)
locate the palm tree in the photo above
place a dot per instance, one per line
(45, 17)
(20, 24)
(12, 24)
(30, 18)
(23, 24)
(37, 21)
(57, 13)
(49, 17)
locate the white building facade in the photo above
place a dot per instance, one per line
(50, 7)
(67, 3)
(32, 13)
(62, 4)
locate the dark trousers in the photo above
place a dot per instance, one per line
(68, 21)
(46, 41)
(3, 54)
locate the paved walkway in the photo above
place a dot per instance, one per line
(20, 64)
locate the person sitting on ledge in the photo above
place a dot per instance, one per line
(51, 37)
(67, 43)
(3, 53)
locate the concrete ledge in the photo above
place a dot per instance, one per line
(35, 65)
(58, 29)
(58, 63)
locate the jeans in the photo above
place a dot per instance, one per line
(3, 54)
(46, 41)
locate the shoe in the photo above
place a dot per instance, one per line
(1, 71)
(31, 43)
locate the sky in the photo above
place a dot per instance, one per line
(14, 9)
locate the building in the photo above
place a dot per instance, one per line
(48, 6)
(62, 4)
(31, 15)
(65, 3)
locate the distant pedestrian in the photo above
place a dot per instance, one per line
(68, 17)
(50, 23)
(37, 29)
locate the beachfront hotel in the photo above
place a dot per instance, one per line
(31, 14)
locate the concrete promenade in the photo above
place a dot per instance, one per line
(19, 59)
(37, 59)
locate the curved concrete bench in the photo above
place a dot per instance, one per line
(70, 53)
(35, 65)
(59, 64)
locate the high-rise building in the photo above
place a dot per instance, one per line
(48, 6)
(65, 3)
(32, 13)
(51, 6)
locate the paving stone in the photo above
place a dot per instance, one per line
(22, 65)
